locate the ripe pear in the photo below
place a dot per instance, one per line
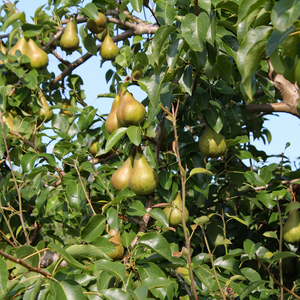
(111, 123)
(291, 229)
(21, 45)
(115, 240)
(98, 25)
(212, 144)
(130, 111)
(120, 178)
(143, 179)
(38, 57)
(109, 49)
(44, 112)
(93, 147)
(69, 40)
(66, 104)
(174, 212)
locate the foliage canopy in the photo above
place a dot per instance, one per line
(217, 63)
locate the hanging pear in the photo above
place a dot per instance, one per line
(130, 111)
(45, 114)
(212, 144)
(111, 123)
(93, 147)
(38, 57)
(115, 240)
(174, 212)
(143, 179)
(20, 45)
(98, 25)
(120, 178)
(109, 49)
(291, 229)
(3, 50)
(69, 40)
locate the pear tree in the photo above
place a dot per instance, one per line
(163, 194)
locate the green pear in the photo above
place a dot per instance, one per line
(21, 45)
(115, 240)
(93, 147)
(130, 111)
(143, 179)
(98, 25)
(291, 229)
(69, 40)
(212, 144)
(120, 178)
(109, 49)
(38, 57)
(111, 123)
(174, 212)
(44, 112)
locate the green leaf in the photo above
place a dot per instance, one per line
(66, 289)
(115, 294)
(160, 216)
(3, 276)
(194, 30)
(270, 234)
(157, 243)
(291, 206)
(200, 171)
(31, 30)
(90, 10)
(139, 293)
(134, 134)
(136, 209)
(94, 228)
(159, 40)
(114, 138)
(137, 5)
(154, 87)
(246, 7)
(250, 274)
(67, 257)
(215, 119)
(251, 287)
(186, 79)
(237, 219)
(75, 195)
(27, 161)
(165, 11)
(284, 14)
(85, 251)
(229, 264)
(283, 254)
(113, 268)
(124, 58)
(113, 218)
(254, 178)
(173, 52)
(86, 117)
(250, 247)
(202, 220)
(13, 18)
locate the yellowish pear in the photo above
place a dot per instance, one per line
(21, 45)
(111, 123)
(143, 179)
(130, 111)
(115, 240)
(93, 147)
(212, 144)
(8, 119)
(66, 104)
(3, 49)
(174, 212)
(69, 40)
(120, 179)
(38, 57)
(291, 229)
(44, 112)
(98, 25)
(109, 49)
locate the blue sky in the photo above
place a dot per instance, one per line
(283, 127)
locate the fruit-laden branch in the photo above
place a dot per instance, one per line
(27, 266)
(288, 91)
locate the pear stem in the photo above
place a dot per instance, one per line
(183, 181)
(280, 248)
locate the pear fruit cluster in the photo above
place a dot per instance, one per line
(38, 57)
(291, 229)
(136, 174)
(212, 144)
(69, 40)
(115, 240)
(125, 111)
(174, 212)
